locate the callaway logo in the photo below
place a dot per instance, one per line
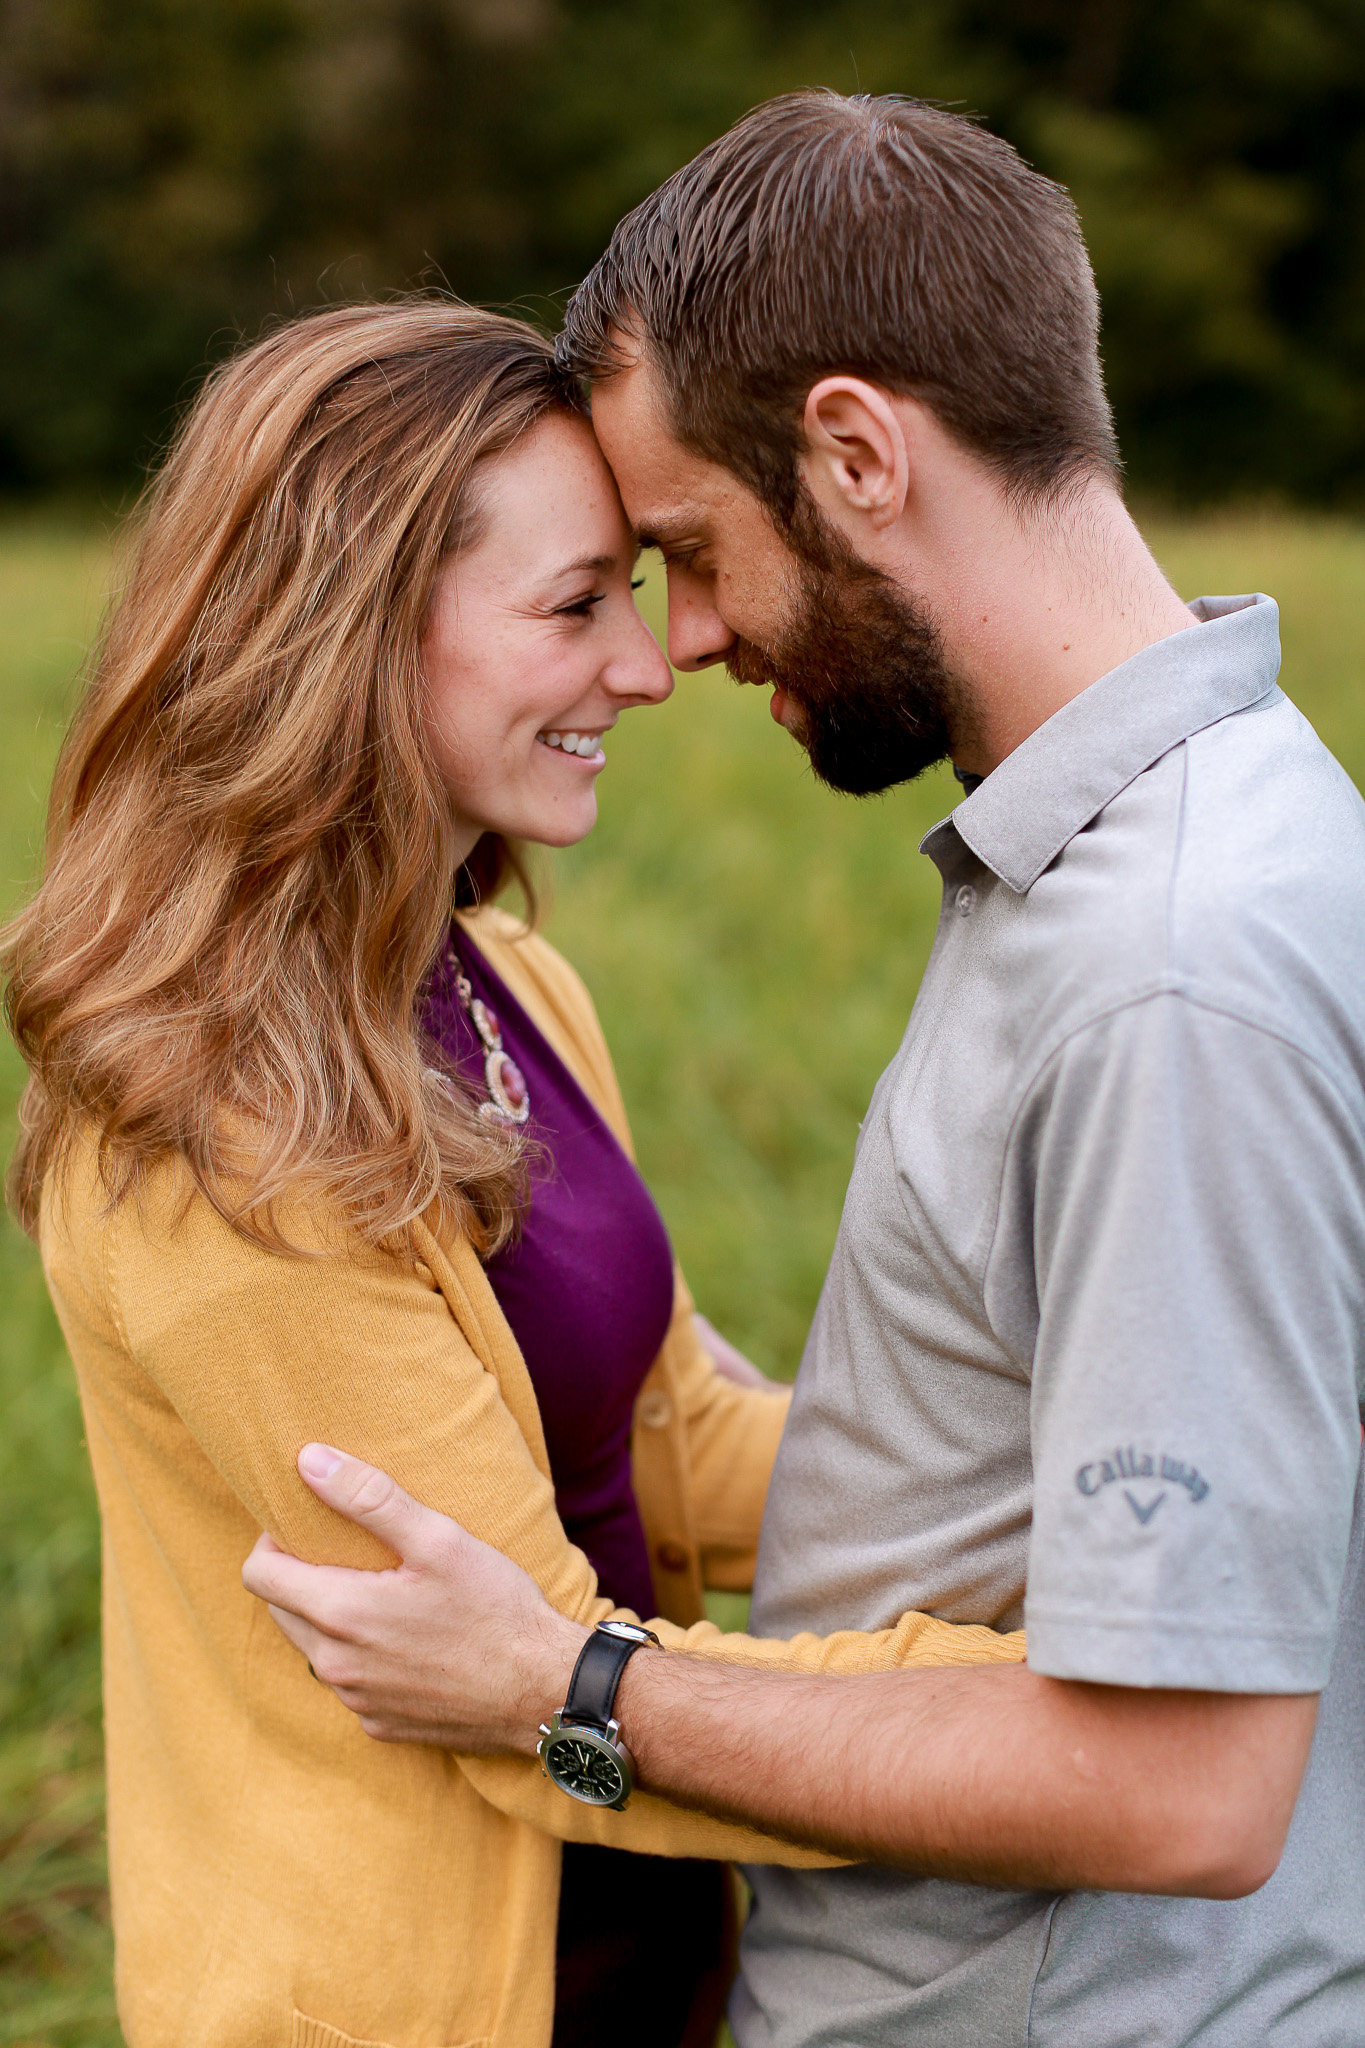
(1159, 1473)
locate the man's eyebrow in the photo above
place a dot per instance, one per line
(667, 532)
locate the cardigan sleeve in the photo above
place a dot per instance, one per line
(730, 1436)
(259, 1353)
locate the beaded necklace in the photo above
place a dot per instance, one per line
(509, 1097)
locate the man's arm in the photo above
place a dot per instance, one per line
(993, 1776)
(996, 1776)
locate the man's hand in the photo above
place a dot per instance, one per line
(994, 1776)
(455, 1646)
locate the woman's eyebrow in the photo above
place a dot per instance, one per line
(597, 565)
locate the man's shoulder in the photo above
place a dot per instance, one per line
(1267, 889)
(1234, 867)
(1263, 777)
(1254, 809)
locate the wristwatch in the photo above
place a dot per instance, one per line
(581, 1749)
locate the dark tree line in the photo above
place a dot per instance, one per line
(173, 173)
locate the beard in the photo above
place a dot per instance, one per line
(863, 665)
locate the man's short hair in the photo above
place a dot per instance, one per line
(877, 236)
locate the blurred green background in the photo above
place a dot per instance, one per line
(174, 173)
(754, 944)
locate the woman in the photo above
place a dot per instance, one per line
(311, 1157)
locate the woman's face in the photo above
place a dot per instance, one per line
(533, 646)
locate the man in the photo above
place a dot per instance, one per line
(1091, 1350)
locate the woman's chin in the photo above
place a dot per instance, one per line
(565, 828)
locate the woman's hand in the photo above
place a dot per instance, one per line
(455, 1646)
(729, 1363)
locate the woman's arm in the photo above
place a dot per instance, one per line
(703, 1455)
(730, 1363)
(259, 1352)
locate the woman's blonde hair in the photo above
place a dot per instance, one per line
(250, 861)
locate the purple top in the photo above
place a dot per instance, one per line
(587, 1286)
(588, 1290)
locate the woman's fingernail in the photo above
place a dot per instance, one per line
(318, 1461)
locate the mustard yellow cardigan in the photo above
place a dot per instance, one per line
(279, 1880)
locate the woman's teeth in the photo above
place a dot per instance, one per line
(586, 743)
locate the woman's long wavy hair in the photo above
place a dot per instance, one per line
(250, 858)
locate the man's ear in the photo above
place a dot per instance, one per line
(857, 457)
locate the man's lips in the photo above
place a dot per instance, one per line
(788, 712)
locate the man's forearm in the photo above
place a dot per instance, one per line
(995, 1776)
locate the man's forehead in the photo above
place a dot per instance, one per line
(633, 396)
(668, 494)
(629, 412)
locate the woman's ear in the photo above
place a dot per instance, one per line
(857, 457)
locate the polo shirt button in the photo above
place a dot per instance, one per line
(654, 1409)
(673, 1557)
(966, 900)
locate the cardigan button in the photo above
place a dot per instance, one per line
(654, 1409)
(673, 1557)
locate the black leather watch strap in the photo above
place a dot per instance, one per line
(596, 1675)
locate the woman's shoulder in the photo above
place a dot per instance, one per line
(111, 1235)
(156, 1222)
(161, 1277)
(89, 1195)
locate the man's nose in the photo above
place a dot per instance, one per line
(698, 636)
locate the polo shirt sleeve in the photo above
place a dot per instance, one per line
(1194, 1189)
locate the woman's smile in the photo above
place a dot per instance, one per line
(583, 746)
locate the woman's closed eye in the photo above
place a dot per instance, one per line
(580, 607)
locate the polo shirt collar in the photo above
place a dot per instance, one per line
(1051, 787)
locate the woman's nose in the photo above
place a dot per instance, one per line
(640, 671)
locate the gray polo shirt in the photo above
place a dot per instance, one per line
(1090, 1352)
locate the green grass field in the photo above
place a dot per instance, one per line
(754, 944)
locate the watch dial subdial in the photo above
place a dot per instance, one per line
(587, 1772)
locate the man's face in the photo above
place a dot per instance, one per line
(853, 659)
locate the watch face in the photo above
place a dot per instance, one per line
(583, 1765)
